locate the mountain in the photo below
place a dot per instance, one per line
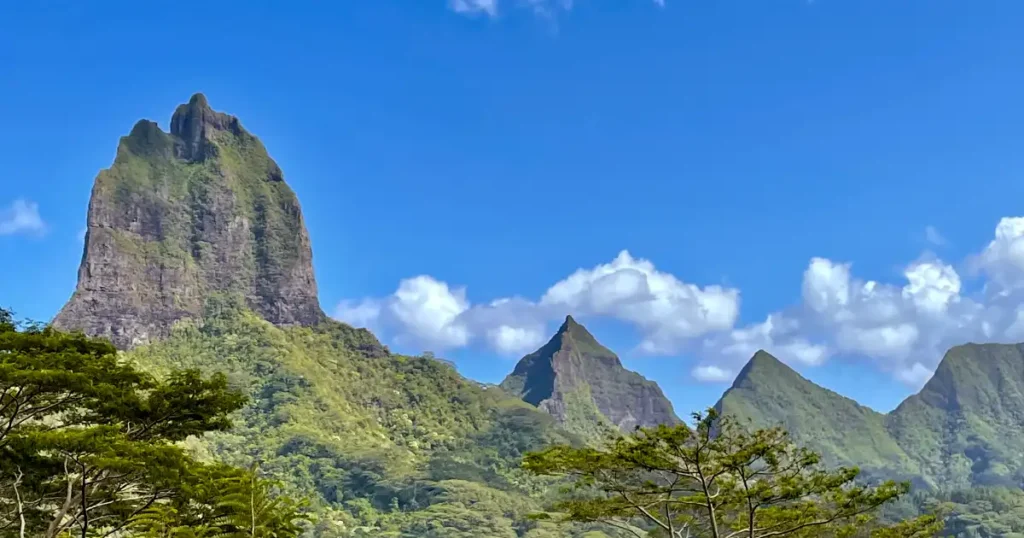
(182, 214)
(769, 393)
(585, 387)
(197, 257)
(964, 429)
(966, 426)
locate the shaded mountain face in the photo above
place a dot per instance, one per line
(965, 428)
(585, 387)
(769, 393)
(181, 215)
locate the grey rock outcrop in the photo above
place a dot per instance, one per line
(182, 215)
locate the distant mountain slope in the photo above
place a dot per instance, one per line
(182, 214)
(585, 387)
(767, 392)
(965, 428)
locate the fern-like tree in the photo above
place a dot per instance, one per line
(719, 480)
(224, 502)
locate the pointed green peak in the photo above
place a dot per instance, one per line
(763, 367)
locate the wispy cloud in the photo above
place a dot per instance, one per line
(932, 235)
(492, 8)
(475, 7)
(21, 217)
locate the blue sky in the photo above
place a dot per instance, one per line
(761, 162)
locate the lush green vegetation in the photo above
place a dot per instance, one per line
(88, 447)
(385, 445)
(719, 480)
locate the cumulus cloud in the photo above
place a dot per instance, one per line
(902, 328)
(20, 217)
(1003, 259)
(426, 309)
(667, 311)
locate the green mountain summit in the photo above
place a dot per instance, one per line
(769, 393)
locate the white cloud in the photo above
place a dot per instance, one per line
(509, 340)
(21, 217)
(826, 285)
(667, 311)
(712, 374)
(901, 328)
(426, 310)
(81, 235)
(1003, 259)
(916, 375)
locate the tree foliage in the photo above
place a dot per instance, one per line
(89, 444)
(719, 481)
(224, 502)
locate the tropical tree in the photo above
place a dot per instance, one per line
(718, 481)
(88, 443)
(224, 502)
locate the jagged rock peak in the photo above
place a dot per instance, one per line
(182, 216)
(582, 383)
(194, 123)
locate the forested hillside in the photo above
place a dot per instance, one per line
(385, 444)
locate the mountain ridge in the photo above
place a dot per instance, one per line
(962, 429)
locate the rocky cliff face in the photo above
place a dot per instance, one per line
(582, 384)
(182, 215)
